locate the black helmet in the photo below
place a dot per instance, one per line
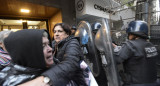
(96, 26)
(73, 27)
(138, 28)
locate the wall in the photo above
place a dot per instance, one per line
(68, 12)
(57, 18)
(67, 8)
(99, 8)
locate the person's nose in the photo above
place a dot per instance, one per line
(49, 48)
(56, 34)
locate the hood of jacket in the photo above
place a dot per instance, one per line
(25, 48)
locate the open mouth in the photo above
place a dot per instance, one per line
(50, 57)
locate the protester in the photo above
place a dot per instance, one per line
(31, 55)
(67, 56)
(5, 59)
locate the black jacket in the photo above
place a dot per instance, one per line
(139, 60)
(69, 55)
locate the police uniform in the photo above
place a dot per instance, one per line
(139, 59)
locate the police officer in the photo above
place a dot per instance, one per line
(73, 30)
(138, 56)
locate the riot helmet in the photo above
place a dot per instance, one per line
(73, 27)
(138, 28)
(96, 26)
(73, 30)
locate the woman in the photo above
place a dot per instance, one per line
(31, 55)
(67, 53)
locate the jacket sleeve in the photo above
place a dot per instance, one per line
(61, 73)
(124, 53)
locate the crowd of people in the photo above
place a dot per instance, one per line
(30, 58)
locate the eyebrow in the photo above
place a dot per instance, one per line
(58, 30)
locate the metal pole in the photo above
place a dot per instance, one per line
(149, 17)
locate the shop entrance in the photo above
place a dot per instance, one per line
(19, 24)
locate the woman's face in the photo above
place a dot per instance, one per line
(59, 34)
(47, 51)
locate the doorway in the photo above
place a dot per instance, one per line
(19, 24)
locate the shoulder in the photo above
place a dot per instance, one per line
(128, 45)
(69, 43)
(133, 42)
(72, 40)
(21, 75)
(73, 46)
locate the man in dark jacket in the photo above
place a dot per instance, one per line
(138, 56)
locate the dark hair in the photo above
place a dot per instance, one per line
(65, 27)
